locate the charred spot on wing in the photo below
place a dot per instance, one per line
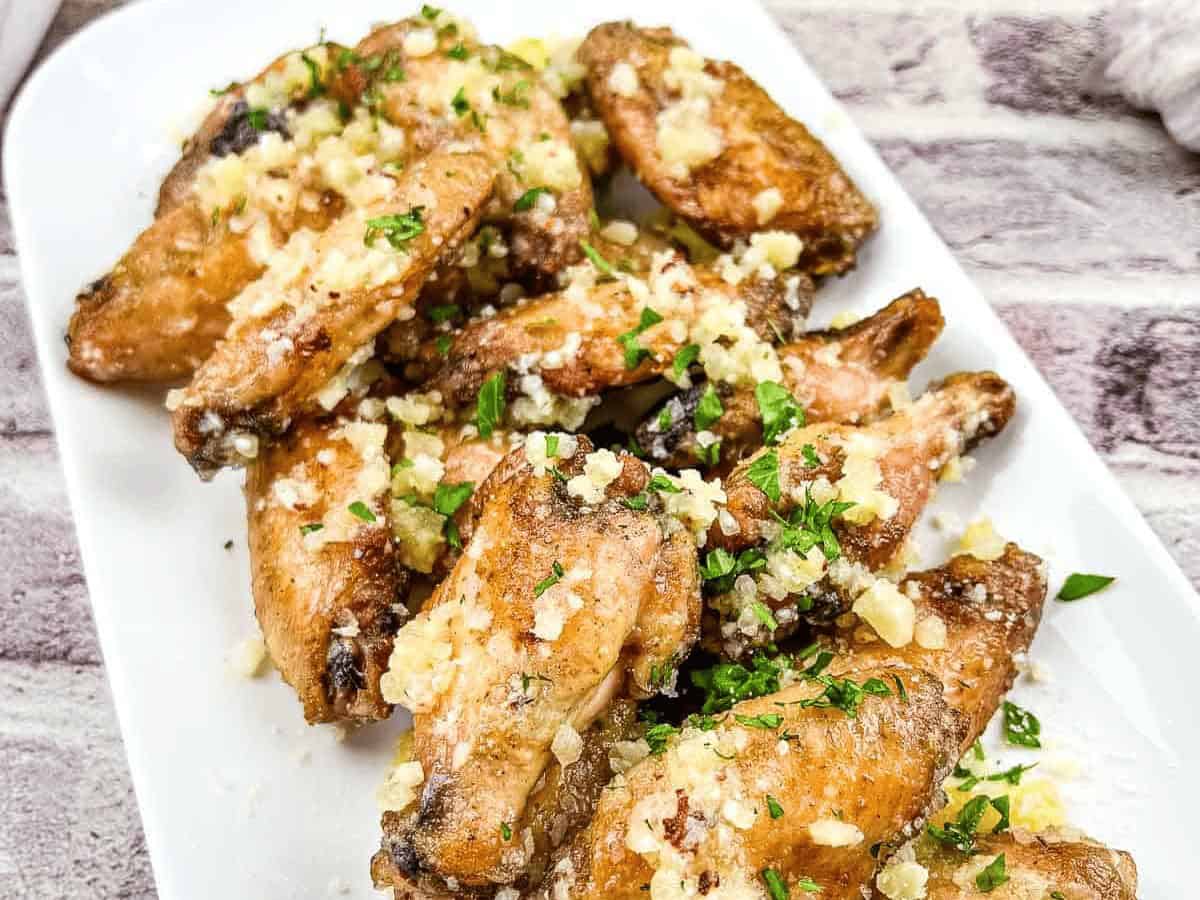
(244, 127)
(659, 436)
(341, 663)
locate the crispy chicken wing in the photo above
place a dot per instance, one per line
(699, 815)
(555, 607)
(972, 616)
(583, 341)
(840, 375)
(303, 327)
(715, 148)
(327, 583)
(1043, 865)
(157, 315)
(430, 76)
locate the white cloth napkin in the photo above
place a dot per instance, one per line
(1152, 56)
(23, 23)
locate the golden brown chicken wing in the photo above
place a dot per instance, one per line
(715, 148)
(589, 339)
(841, 375)
(301, 330)
(1034, 866)
(430, 76)
(328, 587)
(157, 315)
(563, 599)
(969, 619)
(783, 792)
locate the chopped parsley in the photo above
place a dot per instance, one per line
(1057, 895)
(449, 497)
(775, 884)
(489, 408)
(665, 418)
(720, 569)
(258, 118)
(709, 454)
(315, 87)
(458, 51)
(526, 201)
(728, 683)
(459, 102)
(602, 265)
(311, 528)
(636, 502)
(506, 831)
(960, 833)
(555, 576)
(442, 344)
(1078, 585)
(901, 690)
(810, 526)
(779, 410)
(992, 875)
(362, 511)
(657, 736)
(762, 612)
(844, 694)
(1021, 727)
(634, 352)
(684, 358)
(763, 473)
(766, 721)
(439, 314)
(774, 808)
(664, 485)
(552, 445)
(709, 409)
(1013, 775)
(807, 885)
(809, 452)
(397, 229)
(430, 12)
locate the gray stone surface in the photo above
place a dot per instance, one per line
(1075, 213)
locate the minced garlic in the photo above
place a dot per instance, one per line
(982, 541)
(835, 833)
(623, 80)
(600, 469)
(888, 611)
(399, 789)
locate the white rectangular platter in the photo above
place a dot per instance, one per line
(238, 797)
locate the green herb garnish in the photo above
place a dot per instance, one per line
(602, 265)
(397, 229)
(362, 511)
(992, 875)
(529, 198)
(489, 408)
(684, 358)
(779, 410)
(555, 576)
(1021, 727)
(709, 409)
(449, 497)
(774, 808)
(763, 473)
(311, 527)
(1077, 586)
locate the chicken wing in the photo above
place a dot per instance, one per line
(970, 618)
(588, 339)
(1036, 866)
(430, 76)
(157, 315)
(327, 582)
(841, 375)
(301, 330)
(715, 148)
(784, 790)
(563, 599)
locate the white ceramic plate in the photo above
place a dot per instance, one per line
(238, 797)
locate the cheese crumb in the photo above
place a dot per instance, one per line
(930, 633)
(833, 833)
(399, 789)
(421, 42)
(623, 79)
(982, 541)
(567, 746)
(248, 656)
(903, 881)
(600, 469)
(888, 611)
(766, 204)
(620, 232)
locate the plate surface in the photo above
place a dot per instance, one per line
(238, 797)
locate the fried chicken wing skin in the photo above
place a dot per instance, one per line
(160, 310)
(909, 447)
(299, 327)
(327, 584)
(554, 609)
(989, 610)
(839, 375)
(698, 814)
(716, 149)
(579, 340)
(1036, 866)
(456, 90)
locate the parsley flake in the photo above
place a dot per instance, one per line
(489, 408)
(774, 808)
(763, 473)
(555, 576)
(449, 497)
(1021, 727)
(527, 200)
(992, 875)
(709, 409)
(506, 831)
(311, 528)
(603, 266)
(1078, 585)
(684, 358)
(397, 229)
(779, 410)
(361, 511)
